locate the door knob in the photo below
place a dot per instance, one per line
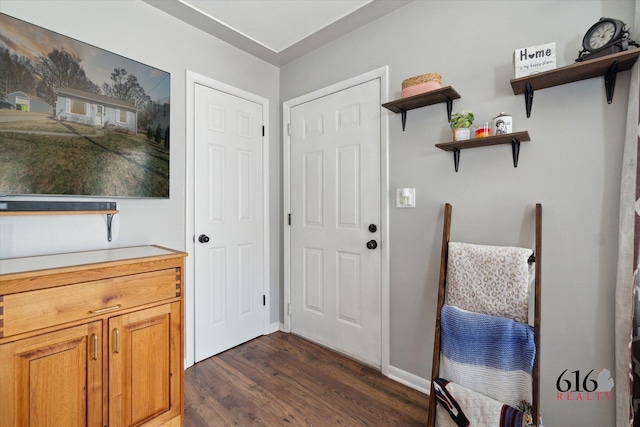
(373, 228)
(203, 238)
(372, 244)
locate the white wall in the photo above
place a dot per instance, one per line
(572, 166)
(138, 31)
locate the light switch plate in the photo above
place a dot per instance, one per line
(412, 198)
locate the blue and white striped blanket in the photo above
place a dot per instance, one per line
(487, 354)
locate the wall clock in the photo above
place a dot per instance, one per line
(605, 37)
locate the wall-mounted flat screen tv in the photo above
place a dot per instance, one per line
(79, 120)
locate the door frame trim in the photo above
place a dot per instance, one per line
(192, 79)
(385, 280)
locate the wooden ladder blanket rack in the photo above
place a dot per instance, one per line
(537, 258)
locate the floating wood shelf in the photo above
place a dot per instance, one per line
(513, 138)
(19, 208)
(446, 94)
(21, 213)
(606, 66)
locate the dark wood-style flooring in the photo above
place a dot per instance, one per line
(284, 380)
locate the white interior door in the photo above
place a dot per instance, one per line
(335, 221)
(229, 221)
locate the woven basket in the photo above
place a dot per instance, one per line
(420, 84)
(424, 78)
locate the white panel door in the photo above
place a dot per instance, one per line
(335, 212)
(229, 222)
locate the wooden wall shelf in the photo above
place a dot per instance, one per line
(446, 94)
(22, 213)
(20, 208)
(513, 138)
(606, 66)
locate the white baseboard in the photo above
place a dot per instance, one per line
(411, 380)
(275, 327)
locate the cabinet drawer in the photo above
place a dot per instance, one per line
(37, 309)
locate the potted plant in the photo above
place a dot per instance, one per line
(460, 124)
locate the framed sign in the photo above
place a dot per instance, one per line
(534, 59)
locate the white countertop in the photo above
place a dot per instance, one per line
(43, 262)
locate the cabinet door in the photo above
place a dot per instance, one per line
(144, 366)
(53, 379)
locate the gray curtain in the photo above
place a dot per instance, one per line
(627, 322)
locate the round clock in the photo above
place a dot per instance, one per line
(605, 37)
(602, 34)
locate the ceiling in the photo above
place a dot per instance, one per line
(277, 31)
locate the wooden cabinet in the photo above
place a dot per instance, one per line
(92, 339)
(57, 375)
(144, 373)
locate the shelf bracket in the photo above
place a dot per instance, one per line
(449, 103)
(109, 222)
(404, 119)
(47, 208)
(610, 80)
(515, 151)
(456, 158)
(528, 98)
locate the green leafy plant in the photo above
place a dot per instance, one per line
(463, 119)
